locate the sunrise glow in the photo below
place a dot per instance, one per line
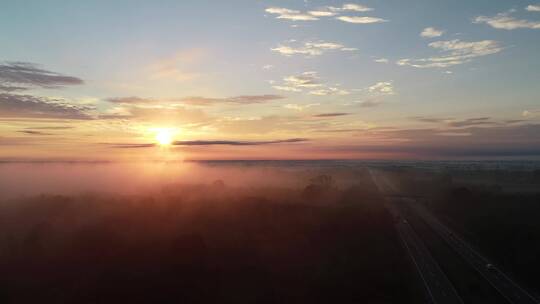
(164, 137)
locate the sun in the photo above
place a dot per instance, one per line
(164, 137)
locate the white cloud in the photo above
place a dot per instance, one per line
(455, 52)
(383, 87)
(297, 107)
(322, 13)
(267, 67)
(311, 48)
(350, 7)
(309, 82)
(381, 60)
(329, 91)
(533, 8)
(326, 11)
(286, 88)
(369, 103)
(284, 13)
(360, 20)
(431, 32)
(506, 22)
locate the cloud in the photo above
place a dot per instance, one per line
(53, 128)
(309, 81)
(242, 99)
(381, 60)
(297, 83)
(457, 123)
(330, 11)
(129, 146)
(470, 122)
(473, 142)
(27, 106)
(32, 132)
(131, 100)
(360, 20)
(311, 48)
(371, 103)
(23, 75)
(298, 107)
(336, 114)
(284, 13)
(286, 88)
(533, 8)
(329, 91)
(454, 52)
(236, 143)
(11, 88)
(350, 7)
(321, 13)
(210, 143)
(327, 11)
(198, 100)
(355, 7)
(267, 67)
(506, 22)
(383, 87)
(431, 32)
(531, 113)
(430, 119)
(163, 114)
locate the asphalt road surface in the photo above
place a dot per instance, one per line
(498, 279)
(506, 286)
(438, 287)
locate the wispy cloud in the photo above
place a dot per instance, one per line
(311, 48)
(431, 32)
(198, 100)
(32, 132)
(285, 13)
(334, 114)
(310, 82)
(383, 87)
(237, 143)
(531, 113)
(533, 8)
(370, 103)
(381, 60)
(361, 20)
(327, 11)
(28, 106)
(210, 143)
(454, 52)
(16, 76)
(350, 7)
(322, 13)
(297, 107)
(457, 123)
(506, 22)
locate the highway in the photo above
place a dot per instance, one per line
(498, 279)
(439, 289)
(507, 287)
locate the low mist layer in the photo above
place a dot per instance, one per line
(181, 232)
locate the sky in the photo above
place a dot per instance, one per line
(376, 79)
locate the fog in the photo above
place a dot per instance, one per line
(26, 179)
(192, 232)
